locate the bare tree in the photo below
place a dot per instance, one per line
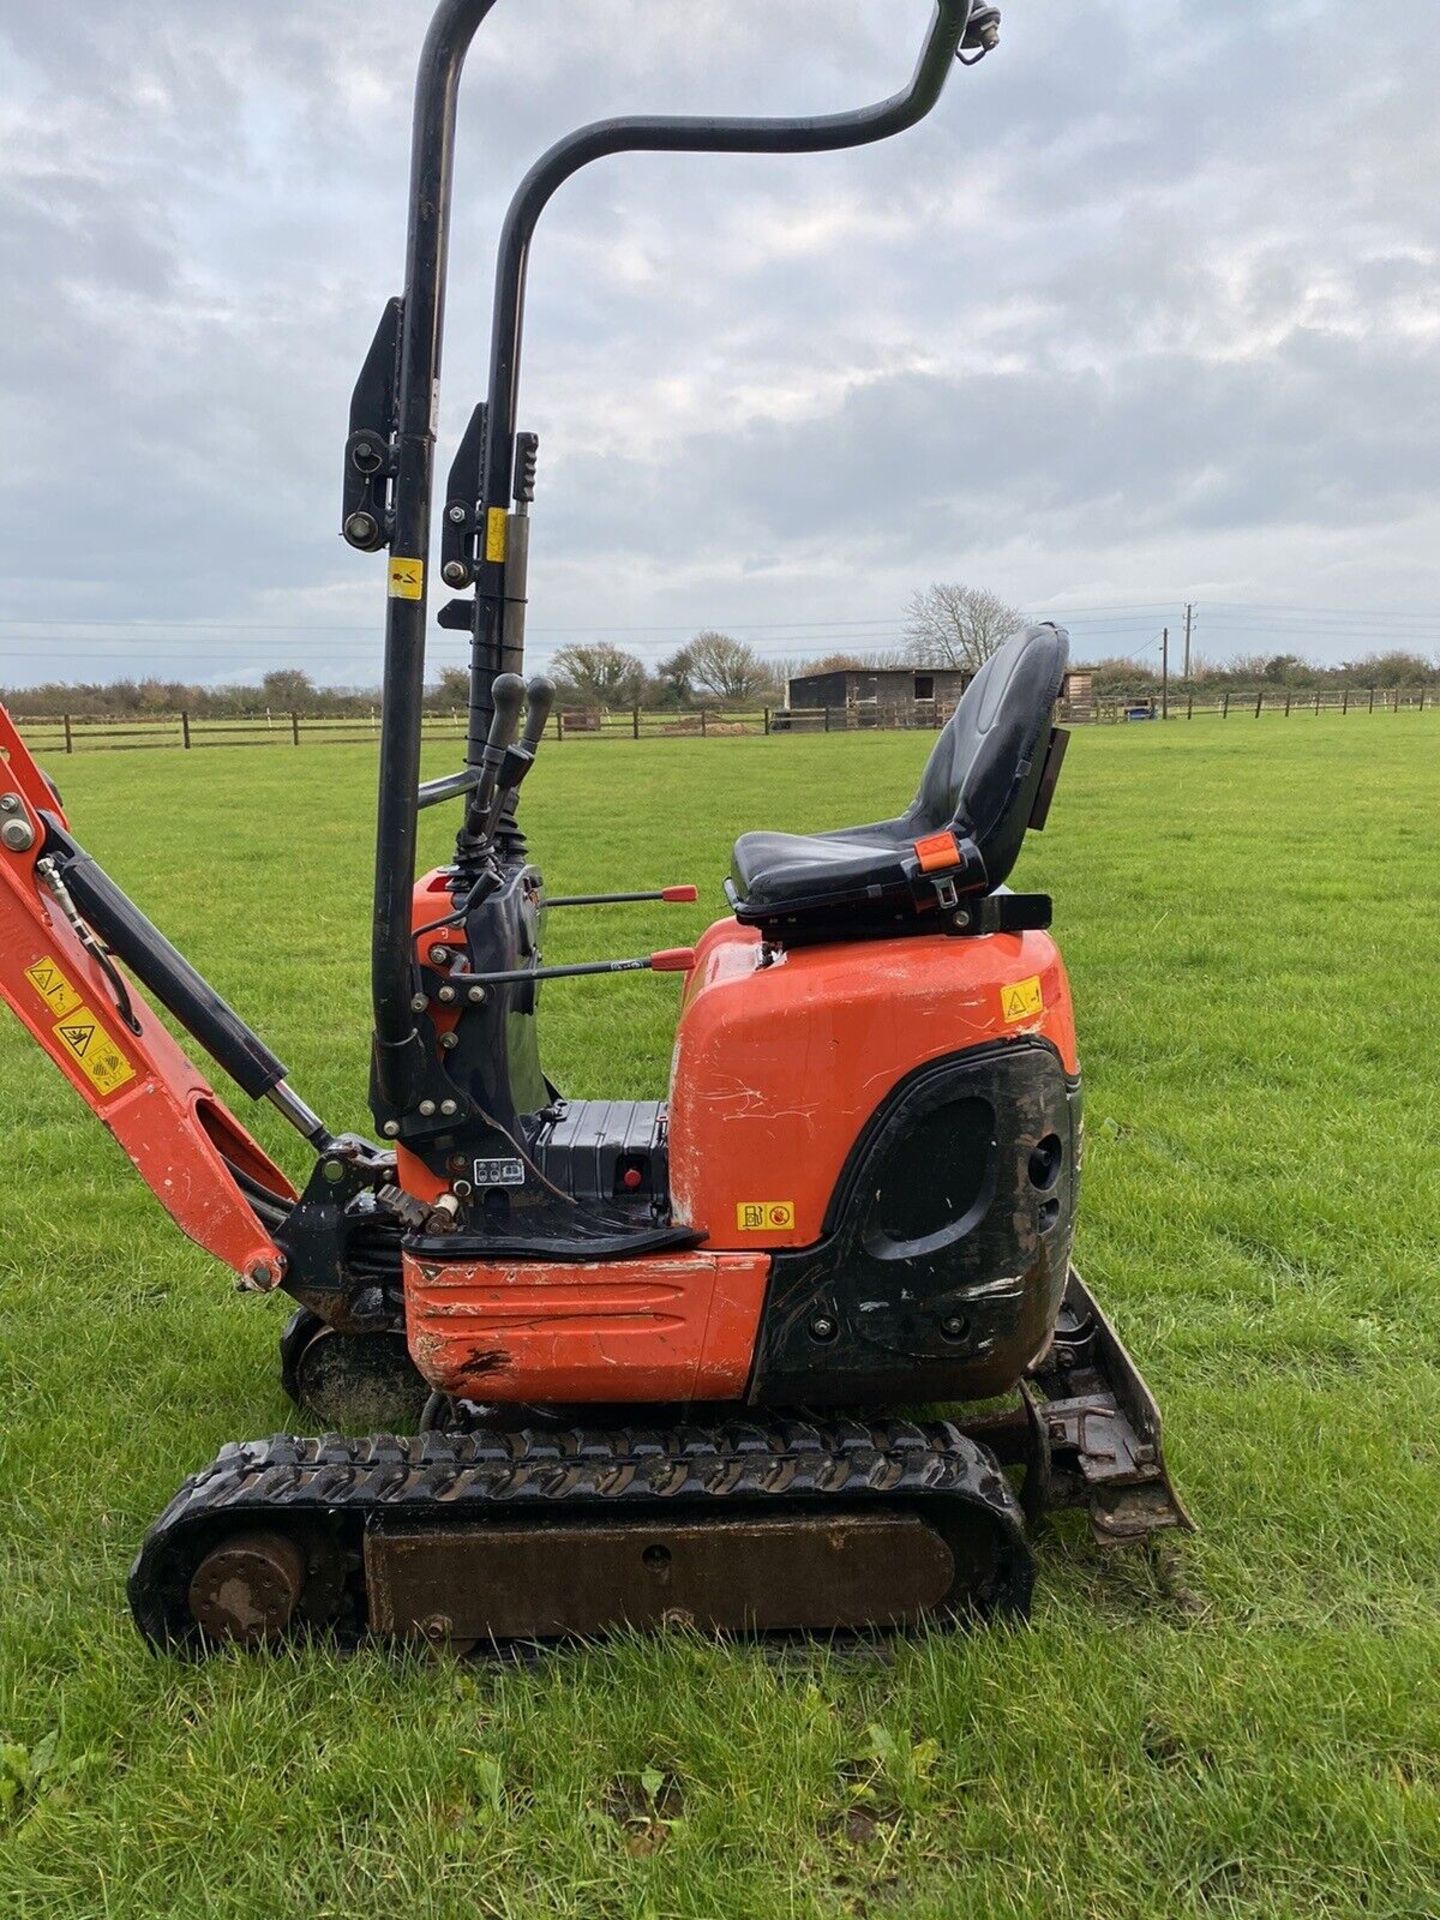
(602, 676)
(727, 668)
(952, 625)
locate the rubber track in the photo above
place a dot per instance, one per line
(456, 1479)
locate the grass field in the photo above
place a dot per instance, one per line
(1247, 1723)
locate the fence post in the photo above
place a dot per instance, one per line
(1259, 702)
(1422, 699)
(703, 718)
(1344, 701)
(185, 731)
(1397, 699)
(1372, 699)
(1225, 709)
(559, 724)
(1189, 706)
(767, 721)
(295, 728)
(635, 722)
(1317, 701)
(827, 719)
(1287, 703)
(69, 737)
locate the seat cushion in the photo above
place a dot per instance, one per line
(777, 871)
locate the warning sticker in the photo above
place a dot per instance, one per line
(497, 531)
(1024, 1001)
(53, 988)
(93, 1051)
(407, 579)
(765, 1216)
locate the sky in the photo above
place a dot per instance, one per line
(1146, 313)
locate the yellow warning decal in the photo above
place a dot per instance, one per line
(497, 534)
(93, 1051)
(1024, 1001)
(407, 579)
(53, 988)
(765, 1216)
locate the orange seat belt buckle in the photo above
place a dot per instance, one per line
(938, 852)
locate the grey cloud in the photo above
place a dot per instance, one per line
(1154, 289)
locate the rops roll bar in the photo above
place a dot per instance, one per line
(390, 454)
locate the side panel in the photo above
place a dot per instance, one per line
(778, 1069)
(142, 1086)
(679, 1327)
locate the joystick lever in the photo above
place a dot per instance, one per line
(518, 760)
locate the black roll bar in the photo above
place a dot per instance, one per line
(400, 1060)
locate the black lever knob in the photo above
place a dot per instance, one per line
(508, 696)
(540, 696)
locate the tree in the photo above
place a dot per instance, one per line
(599, 676)
(453, 689)
(1285, 669)
(675, 679)
(728, 669)
(289, 690)
(952, 625)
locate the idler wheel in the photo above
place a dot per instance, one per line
(246, 1590)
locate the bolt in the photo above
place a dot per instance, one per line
(462, 1189)
(449, 1042)
(823, 1328)
(334, 1171)
(391, 1129)
(953, 1328)
(962, 919)
(427, 1109)
(441, 956)
(361, 529)
(18, 835)
(418, 1003)
(260, 1276)
(457, 515)
(455, 573)
(476, 996)
(448, 996)
(9, 803)
(449, 1108)
(437, 1628)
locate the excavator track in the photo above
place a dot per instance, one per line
(479, 1538)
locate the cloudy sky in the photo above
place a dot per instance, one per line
(1147, 312)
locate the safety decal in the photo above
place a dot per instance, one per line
(53, 988)
(93, 1051)
(1023, 1001)
(497, 535)
(407, 579)
(765, 1216)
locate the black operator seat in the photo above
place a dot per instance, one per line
(988, 781)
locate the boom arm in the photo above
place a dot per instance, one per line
(408, 460)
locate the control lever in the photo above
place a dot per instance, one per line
(507, 693)
(518, 760)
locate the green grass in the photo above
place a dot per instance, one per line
(1245, 1723)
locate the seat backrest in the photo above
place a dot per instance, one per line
(982, 779)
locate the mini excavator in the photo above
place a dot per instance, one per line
(799, 1347)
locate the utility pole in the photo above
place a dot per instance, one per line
(1189, 630)
(1165, 674)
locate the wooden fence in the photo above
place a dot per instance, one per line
(49, 736)
(1278, 700)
